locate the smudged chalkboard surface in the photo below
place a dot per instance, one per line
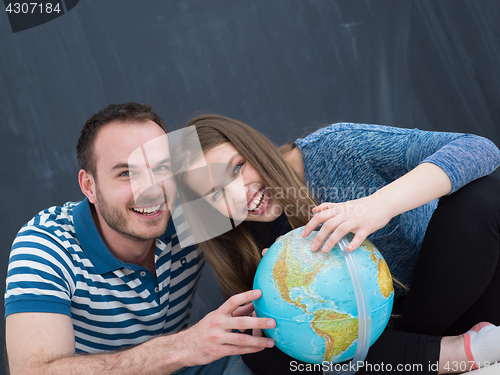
(284, 67)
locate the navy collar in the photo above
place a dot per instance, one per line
(91, 241)
(93, 245)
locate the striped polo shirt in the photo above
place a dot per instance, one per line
(59, 263)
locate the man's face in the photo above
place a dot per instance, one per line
(133, 181)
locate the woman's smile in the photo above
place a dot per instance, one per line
(259, 202)
(246, 196)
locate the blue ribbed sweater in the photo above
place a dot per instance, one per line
(347, 161)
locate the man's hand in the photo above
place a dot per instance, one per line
(213, 337)
(44, 343)
(248, 310)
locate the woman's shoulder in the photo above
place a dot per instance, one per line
(349, 129)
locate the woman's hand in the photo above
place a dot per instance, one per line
(361, 216)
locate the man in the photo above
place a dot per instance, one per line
(106, 278)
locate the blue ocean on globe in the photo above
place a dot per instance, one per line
(311, 296)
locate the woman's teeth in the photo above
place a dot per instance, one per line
(258, 201)
(147, 210)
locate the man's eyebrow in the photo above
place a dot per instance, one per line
(123, 166)
(133, 166)
(164, 161)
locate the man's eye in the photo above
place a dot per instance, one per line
(162, 169)
(128, 174)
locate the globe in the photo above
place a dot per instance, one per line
(311, 297)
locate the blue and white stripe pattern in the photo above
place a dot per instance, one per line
(60, 264)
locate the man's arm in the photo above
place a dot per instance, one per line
(44, 343)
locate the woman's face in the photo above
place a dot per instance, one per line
(232, 185)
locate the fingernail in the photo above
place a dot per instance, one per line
(313, 246)
(270, 342)
(324, 249)
(270, 323)
(256, 292)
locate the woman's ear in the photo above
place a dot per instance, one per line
(88, 185)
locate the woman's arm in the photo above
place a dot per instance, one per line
(464, 157)
(429, 166)
(366, 215)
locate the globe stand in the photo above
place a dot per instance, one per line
(364, 314)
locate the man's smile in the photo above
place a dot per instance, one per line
(147, 211)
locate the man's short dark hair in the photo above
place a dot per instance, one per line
(126, 112)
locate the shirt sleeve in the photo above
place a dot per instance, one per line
(39, 277)
(392, 152)
(464, 157)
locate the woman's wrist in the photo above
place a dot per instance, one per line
(416, 188)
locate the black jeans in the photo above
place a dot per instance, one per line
(456, 281)
(455, 284)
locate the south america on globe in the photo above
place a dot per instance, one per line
(311, 297)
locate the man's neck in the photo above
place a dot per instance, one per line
(129, 250)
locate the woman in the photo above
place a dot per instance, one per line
(377, 182)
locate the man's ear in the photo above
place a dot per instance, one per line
(88, 185)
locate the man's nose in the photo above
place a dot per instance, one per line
(153, 190)
(146, 186)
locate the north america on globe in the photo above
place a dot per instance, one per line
(311, 296)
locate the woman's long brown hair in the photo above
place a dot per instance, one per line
(235, 255)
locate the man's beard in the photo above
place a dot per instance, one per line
(117, 221)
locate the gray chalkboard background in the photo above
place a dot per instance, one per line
(280, 65)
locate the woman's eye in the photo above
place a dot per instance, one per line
(217, 194)
(237, 169)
